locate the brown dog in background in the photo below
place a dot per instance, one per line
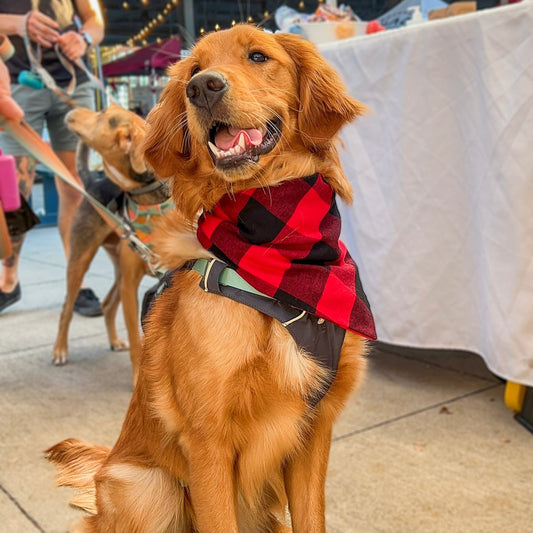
(219, 436)
(117, 135)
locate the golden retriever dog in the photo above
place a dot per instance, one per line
(230, 423)
(117, 135)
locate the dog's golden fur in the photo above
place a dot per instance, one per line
(219, 437)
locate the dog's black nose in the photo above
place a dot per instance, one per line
(206, 89)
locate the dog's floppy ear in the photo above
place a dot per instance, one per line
(324, 103)
(130, 139)
(167, 141)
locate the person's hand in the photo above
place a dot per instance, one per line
(42, 29)
(72, 44)
(8, 107)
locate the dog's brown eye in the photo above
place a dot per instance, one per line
(195, 70)
(257, 57)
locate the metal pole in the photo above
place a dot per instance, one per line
(100, 75)
(188, 16)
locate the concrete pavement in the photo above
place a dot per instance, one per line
(426, 446)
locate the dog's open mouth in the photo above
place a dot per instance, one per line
(231, 146)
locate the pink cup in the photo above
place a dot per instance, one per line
(9, 189)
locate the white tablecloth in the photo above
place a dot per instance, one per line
(442, 170)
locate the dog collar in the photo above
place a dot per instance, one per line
(150, 187)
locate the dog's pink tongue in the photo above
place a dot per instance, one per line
(227, 138)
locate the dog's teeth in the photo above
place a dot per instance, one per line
(213, 148)
(242, 142)
(238, 149)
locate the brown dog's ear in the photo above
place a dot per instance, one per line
(167, 139)
(130, 139)
(324, 103)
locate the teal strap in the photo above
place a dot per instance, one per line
(228, 277)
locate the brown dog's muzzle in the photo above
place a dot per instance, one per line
(206, 89)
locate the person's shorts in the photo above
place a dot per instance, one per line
(44, 106)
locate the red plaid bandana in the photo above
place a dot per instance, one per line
(284, 241)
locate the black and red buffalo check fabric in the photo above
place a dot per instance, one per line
(284, 241)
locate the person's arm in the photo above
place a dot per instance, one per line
(91, 18)
(11, 24)
(8, 107)
(72, 43)
(41, 29)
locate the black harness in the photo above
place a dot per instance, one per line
(321, 339)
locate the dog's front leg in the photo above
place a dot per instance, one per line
(212, 487)
(305, 480)
(132, 269)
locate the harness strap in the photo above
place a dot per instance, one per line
(215, 273)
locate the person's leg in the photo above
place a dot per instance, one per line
(9, 273)
(34, 103)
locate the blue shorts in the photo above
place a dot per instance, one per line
(42, 105)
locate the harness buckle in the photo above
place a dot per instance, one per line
(211, 276)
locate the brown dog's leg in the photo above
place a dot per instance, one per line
(112, 299)
(305, 479)
(78, 265)
(132, 269)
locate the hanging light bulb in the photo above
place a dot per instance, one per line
(233, 23)
(144, 2)
(217, 27)
(266, 14)
(250, 20)
(301, 5)
(202, 31)
(125, 5)
(160, 17)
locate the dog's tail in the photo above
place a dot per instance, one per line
(78, 462)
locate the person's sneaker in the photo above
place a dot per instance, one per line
(87, 303)
(9, 298)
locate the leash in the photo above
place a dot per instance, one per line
(26, 136)
(39, 76)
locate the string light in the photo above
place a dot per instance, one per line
(141, 35)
